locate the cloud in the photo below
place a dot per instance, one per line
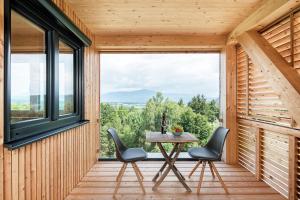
(190, 73)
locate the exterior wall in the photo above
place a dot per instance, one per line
(50, 168)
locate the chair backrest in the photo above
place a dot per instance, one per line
(217, 140)
(120, 147)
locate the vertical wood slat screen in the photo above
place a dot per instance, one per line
(50, 168)
(256, 99)
(257, 102)
(275, 160)
(246, 147)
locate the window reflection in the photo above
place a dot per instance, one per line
(66, 79)
(28, 70)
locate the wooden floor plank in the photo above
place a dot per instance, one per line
(99, 183)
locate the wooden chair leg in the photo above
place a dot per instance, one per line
(119, 178)
(201, 177)
(194, 169)
(211, 169)
(135, 167)
(219, 177)
(139, 171)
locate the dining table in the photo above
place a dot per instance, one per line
(170, 159)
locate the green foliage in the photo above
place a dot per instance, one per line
(200, 105)
(199, 117)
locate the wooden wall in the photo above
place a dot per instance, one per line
(50, 168)
(268, 137)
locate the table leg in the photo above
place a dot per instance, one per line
(171, 162)
(165, 163)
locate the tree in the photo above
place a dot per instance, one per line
(180, 102)
(198, 104)
(198, 117)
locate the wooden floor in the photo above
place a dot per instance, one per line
(100, 181)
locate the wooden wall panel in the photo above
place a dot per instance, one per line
(261, 113)
(50, 168)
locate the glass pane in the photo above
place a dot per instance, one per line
(66, 79)
(28, 70)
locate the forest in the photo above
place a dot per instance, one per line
(199, 117)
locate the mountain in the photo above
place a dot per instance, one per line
(140, 96)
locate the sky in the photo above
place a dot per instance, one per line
(180, 73)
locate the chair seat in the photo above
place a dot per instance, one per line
(203, 154)
(134, 154)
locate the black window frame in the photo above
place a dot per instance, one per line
(41, 14)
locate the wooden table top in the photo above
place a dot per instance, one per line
(154, 137)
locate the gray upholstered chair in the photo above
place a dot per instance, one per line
(127, 155)
(211, 152)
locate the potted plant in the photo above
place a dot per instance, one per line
(177, 130)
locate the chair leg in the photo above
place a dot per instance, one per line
(194, 169)
(136, 170)
(211, 169)
(201, 177)
(139, 171)
(219, 177)
(119, 178)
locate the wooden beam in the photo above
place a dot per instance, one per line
(231, 115)
(258, 157)
(263, 16)
(283, 78)
(160, 42)
(292, 167)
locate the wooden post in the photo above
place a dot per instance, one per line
(231, 115)
(258, 154)
(292, 166)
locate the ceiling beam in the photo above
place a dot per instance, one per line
(268, 12)
(160, 42)
(282, 77)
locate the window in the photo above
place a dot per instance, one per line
(28, 71)
(66, 79)
(43, 72)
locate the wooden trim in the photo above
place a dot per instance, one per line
(292, 166)
(270, 11)
(285, 79)
(231, 115)
(247, 85)
(271, 127)
(292, 38)
(258, 149)
(177, 43)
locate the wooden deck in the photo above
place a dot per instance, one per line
(99, 183)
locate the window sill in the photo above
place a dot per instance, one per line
(19, 143)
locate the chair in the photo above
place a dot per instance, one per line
(127, 155)
(211, 152)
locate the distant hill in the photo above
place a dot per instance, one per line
(140, 96)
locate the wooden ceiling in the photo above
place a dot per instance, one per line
(163, 17)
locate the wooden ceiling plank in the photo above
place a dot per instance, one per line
(284, 79)
(163, 16)
(268, 12)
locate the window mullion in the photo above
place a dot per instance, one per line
(54, 75)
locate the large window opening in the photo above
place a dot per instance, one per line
(137, 88)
